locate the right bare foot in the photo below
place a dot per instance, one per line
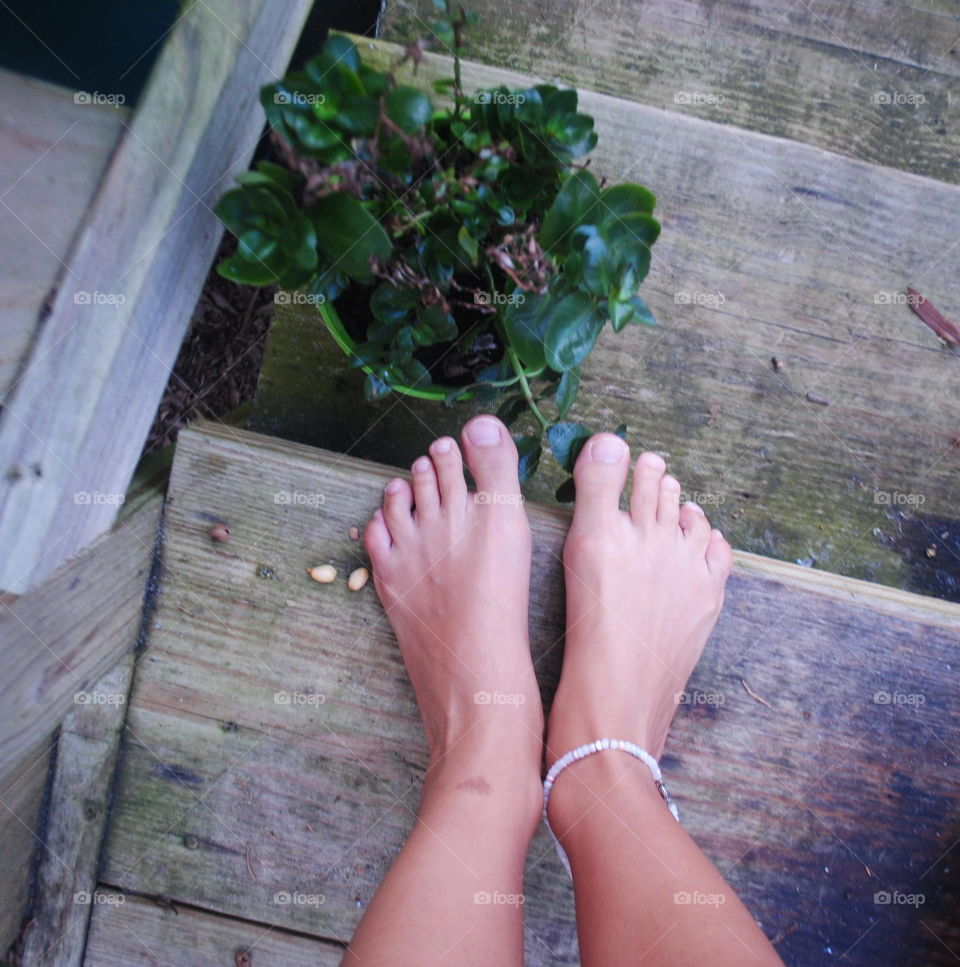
(644, 589)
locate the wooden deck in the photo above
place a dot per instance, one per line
(843, 458)
(272, 745)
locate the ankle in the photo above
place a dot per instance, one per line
(487, 777)
(590, 789)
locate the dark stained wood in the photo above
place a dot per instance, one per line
(230, 794)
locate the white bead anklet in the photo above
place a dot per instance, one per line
(581, 752)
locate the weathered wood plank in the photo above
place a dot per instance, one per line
(274, 745)
(137, 931)
(53, 153)
(99, 366)
(769, 249)
(813, 71)
(21, 796)
(79, 797)
(60, 639)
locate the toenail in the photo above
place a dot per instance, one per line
(671, 483)
(421, 464)
(442, 445)
(394, 485)
(483, 432)
(693, 505)
(608, 449)
(653, 460)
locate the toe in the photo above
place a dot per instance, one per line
(668, 505)
(694, 524)
(449, 469)
(492, 458)
(646, 488)
(599, 475)
(719, 555)
(397, 508)
(376, 539)
(426, 489)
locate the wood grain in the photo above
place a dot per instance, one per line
(815, 72)
(77, 421)
(76, 816)
(58, 641)
(769, 249)
(53, 153)
(274, 744)
(21, 797)
(137, 931)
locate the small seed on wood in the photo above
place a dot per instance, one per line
(932, 550)
(358, 579)
(818, 399)
(219, 533)
(777, 363)
(323, 573)
(354, 533)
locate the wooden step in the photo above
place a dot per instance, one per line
(273, 743)
(770, 249)
(868, 80)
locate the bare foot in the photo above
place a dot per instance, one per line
(644, 589)
(452, 569)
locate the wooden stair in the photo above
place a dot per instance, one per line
(841, 455)
(809, 790)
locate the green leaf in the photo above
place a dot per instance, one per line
(575, 323)
(571, 207)
(390, 304)
(375, 388)
(468, 243)
(408, 108)
(567, 391)
(349, 235)
(342, 50)
(510, 409)
(525, 322)
(620, 313)
(641, 312)
(529, 448)
(621, 431)
(566, 492)
(620, 200)
(566, 440)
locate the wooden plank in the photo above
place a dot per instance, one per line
(137, 931)
(79, 799)
(769, 249)
(60, 639)
(815, 72)
(99, 366)
(21, 796)
(231, 794)
(53, 153)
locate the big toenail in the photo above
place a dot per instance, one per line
(441, 446)
(608, 449)
(483, 432)
(393, 486)
(420, 465)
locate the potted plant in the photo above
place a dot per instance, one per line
(454, 251)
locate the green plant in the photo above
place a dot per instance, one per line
(482, 257)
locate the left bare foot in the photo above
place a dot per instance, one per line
(452, 569)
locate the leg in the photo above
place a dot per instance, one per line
(454, 575)
(644, 589)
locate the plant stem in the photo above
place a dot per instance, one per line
(525, 387)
